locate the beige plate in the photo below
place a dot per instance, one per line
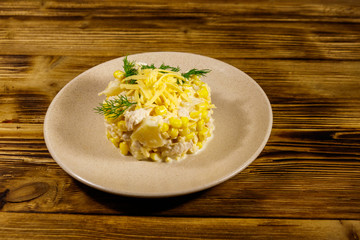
(75, 134)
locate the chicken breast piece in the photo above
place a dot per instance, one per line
(132, 118)
(179, 149)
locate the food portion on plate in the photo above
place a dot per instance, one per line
(157, 113)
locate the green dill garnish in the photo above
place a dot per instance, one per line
(162, 67)
(195, 72)
(129, 68)
(148, 66)
(165, 67)
(131, 81)
(115, 107)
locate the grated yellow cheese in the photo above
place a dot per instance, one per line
(156, 86)
(151, 87)
(156, 95)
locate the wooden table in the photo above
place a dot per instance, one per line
(306, 57)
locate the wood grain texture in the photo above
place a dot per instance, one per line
(313, 151)
(303, 98)
(63, 226)
(304, 54)
(246, 30)
(302, 186)
(295, 177)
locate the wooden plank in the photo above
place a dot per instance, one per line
(300, 174)
(251, 40)
(292, 80)
(247, 10)
(217, 30)
(303, 98)
(54, 226)
(295, 88)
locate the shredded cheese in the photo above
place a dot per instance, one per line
(156, 86)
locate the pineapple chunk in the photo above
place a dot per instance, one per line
(148, 134)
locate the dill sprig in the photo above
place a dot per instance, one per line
(195, 72)
(152, 66)
(129, 68)
(131, 81)
(165, 67)
(162, 67)
(114, 108)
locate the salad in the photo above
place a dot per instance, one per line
(157, 113)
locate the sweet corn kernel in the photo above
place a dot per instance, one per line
(119, 74)
(122, 125)
(200, 125)
(201, 137)
(164, 127)
(184, 132)
(165, 135)
(160, 110)
(115, 141)
(190, 136)
(192, 127)
(155, 157)
(199, 144)
(110, 119)
(202, 106)
(174, 132)
(206, 119)
(194, 114)
(203, 92)
(195, 77)
(175, 122)
(204, 114)
(203, 134)
(184, 121)
(124, 148)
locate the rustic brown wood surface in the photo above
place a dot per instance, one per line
(304, 54)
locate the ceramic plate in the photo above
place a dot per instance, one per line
(75, 134)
